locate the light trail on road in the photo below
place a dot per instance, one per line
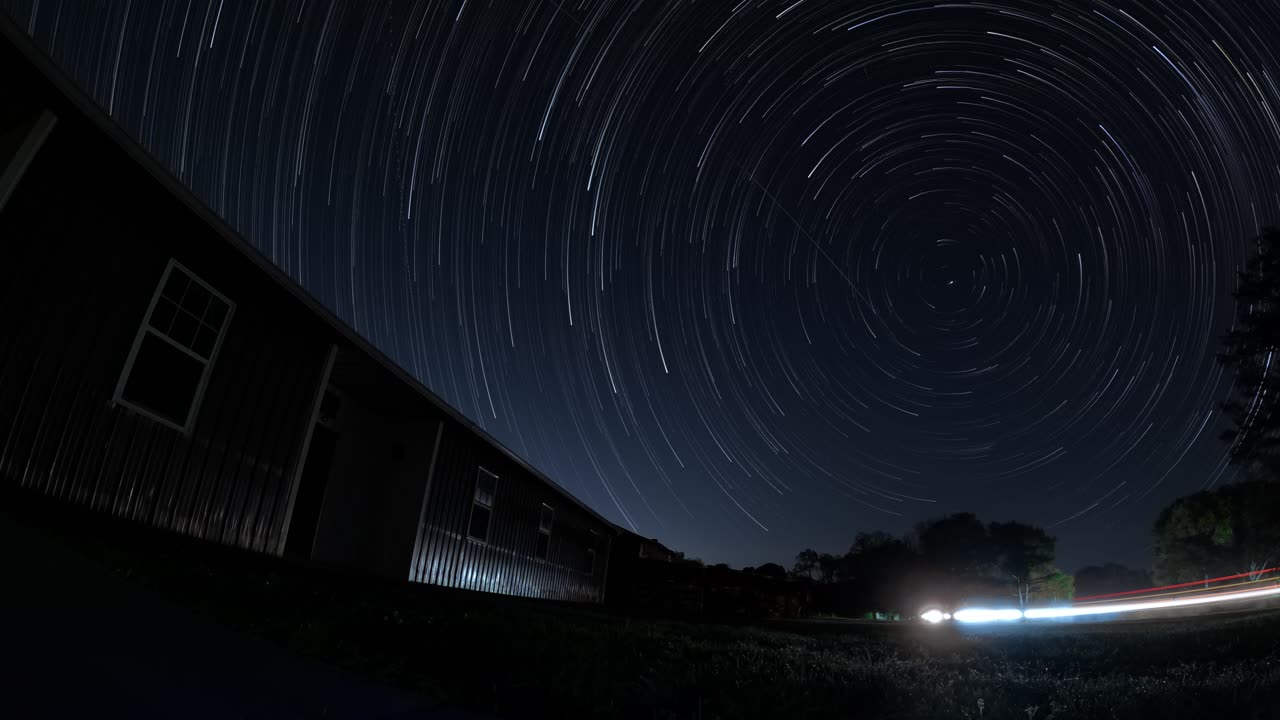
(1109, 608)
(1179, 598)
(1255, 575)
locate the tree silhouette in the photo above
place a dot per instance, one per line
(878, 557)
(1024, 554)
(772, 570)
(830, 568)
(883, 569)
(1250, 350)
(1110, 578)
(956, 545)
(948, 560)
(1191, 536)
(806, 564)
(1234, 529)
(1054, 585)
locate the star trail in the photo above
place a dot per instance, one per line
(753, 276)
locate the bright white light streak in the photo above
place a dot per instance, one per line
(977, 615)
(932, 616)
(1105, 608)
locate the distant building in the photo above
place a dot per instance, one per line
(632, 546)
(155, 367)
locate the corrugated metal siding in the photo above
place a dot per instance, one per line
(506, 564)
(83, 243)
(80, 257)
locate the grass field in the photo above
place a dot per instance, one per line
(523, 659)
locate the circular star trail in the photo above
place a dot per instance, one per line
(752, 277)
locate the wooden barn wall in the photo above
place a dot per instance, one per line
(83, 243)
(506, 564)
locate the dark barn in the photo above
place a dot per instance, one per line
(155, 367)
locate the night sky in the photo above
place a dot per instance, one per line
(752, 276)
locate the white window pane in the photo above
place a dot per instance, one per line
(486, 487)
(169, 364)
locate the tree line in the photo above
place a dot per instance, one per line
(1235, 528)
(942, 561)
(1231, 530)
(1228, 530)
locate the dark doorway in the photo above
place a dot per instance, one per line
(311, 487)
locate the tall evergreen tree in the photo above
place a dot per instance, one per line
(1251, 350)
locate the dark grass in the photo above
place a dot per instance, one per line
(522, 659)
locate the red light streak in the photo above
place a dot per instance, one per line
(1162, 588)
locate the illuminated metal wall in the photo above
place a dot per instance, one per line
(506, 562)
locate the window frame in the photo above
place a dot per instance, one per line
(475, 503)
(593, 556)
(146, 327)
(542, 509)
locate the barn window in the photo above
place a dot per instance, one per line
(482, 505)
(545, 521)
(168, 366)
